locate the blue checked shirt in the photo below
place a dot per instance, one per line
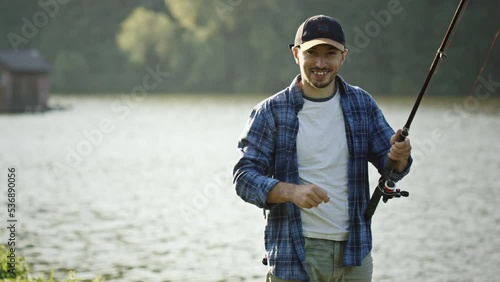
(269, 155)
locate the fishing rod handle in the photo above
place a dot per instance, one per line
(373, 203)
(389, 167)
(375, 199)
(404, 134)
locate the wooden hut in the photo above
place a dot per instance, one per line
(24, 81)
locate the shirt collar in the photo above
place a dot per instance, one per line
(296, 98)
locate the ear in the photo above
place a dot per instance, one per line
(295, 52)
(344, 55)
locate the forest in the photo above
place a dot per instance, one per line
(241, 46)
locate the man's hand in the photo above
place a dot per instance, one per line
(305, 196)
(400, 152)
(309, 195)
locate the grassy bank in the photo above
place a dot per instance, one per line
(15, 269)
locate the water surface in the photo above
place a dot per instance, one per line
(141, 191)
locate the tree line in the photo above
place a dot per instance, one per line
(241, 46)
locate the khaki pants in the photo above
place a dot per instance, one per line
(324, 263)
(272, 278)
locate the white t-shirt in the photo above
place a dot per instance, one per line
(323, 159)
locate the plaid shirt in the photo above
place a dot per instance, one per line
(269, 155)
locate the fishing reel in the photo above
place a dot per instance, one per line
(389, 190)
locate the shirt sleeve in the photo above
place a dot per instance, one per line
(379, 144)
(252, 174)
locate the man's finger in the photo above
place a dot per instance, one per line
(322, 194)
(403, 144)
(315, 198)
(395, 137)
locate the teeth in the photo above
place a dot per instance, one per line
(320, 72)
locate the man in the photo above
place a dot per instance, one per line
(304, 161)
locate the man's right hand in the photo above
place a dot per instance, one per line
(305, 196)
(309, 195)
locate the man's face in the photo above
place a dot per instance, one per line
(320, 64)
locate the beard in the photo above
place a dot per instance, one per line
(319, 83)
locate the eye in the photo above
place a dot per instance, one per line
(311, 52)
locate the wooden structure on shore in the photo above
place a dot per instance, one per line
(24, 81)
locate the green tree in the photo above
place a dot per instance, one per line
(241, 46)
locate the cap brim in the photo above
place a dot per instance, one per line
(318, 41)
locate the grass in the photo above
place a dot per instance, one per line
(21, 271)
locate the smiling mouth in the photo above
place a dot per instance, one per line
(320, 73)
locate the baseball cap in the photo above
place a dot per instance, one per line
(319, 29)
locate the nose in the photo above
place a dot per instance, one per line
(321, 62)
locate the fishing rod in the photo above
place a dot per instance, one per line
(386, 188)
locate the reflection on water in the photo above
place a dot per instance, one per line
(142, 192)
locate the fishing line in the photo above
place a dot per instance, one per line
(485, 62)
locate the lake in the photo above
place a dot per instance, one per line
(141, 191)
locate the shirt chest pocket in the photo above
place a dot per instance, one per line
(357, 136)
